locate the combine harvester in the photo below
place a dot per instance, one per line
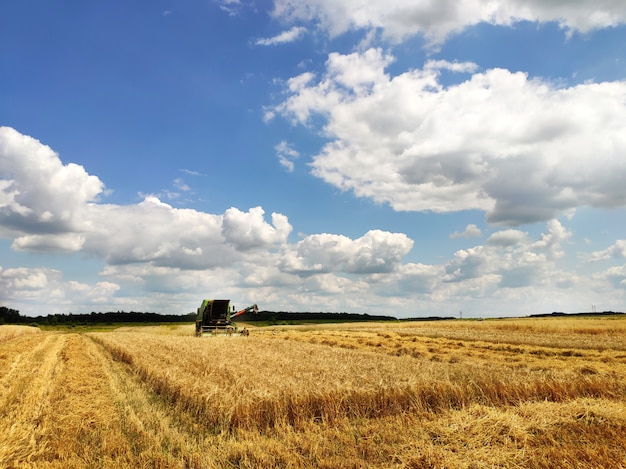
(214, 316)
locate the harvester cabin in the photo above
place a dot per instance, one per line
(213, 314)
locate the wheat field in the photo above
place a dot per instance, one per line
(519, 393)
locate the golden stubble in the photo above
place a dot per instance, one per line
(11, 331)
(534, 394)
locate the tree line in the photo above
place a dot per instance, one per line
(277, 317)
(12, 316)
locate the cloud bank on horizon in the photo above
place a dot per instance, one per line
(519, 158)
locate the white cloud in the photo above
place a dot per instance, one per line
(457, 67)
(512, 258)
(63, 242)
(179, 184)
(511, 274)
(416, 278)
(232, 7)
(616, 251)
(100, 293)
(249, 230)
(23, 278)
(471, 231)
(160, 258)
(49, 293)
(39, 194)
(291, 35)
(551, 241)
(286, 154)
(377, 251)
(437, 20)
(153, 231)
(615, 276)
(521, 150)
(52, 207)
(506, 238)
(192, 173)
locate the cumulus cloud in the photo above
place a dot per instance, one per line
(61, 242)
(437, 20)
(376, 251)
(291, 35)
(157, 257)
(44, 286)
(249, 230)
(616, 251)
(511, 257)
(152, 246)
(155, 232)
(616, 276)
(22, 278)
(506, 238)
(471, 231)
(551, 242)
(520, 149)
(510, 269)
(49, 206)
(39, 194)
(417, 278)
(100, 293)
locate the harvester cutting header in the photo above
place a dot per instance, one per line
(215, 316)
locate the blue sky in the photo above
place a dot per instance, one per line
(411, 158)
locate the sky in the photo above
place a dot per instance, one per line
(410, 158)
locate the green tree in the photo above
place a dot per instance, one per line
(9, 316)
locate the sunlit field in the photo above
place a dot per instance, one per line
(522, 393)
(8, 332)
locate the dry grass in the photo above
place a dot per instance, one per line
(428, 395)
(608, 332)
(279, 382)
(10, 331)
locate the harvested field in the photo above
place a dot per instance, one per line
(8, 332)
(459, 394)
